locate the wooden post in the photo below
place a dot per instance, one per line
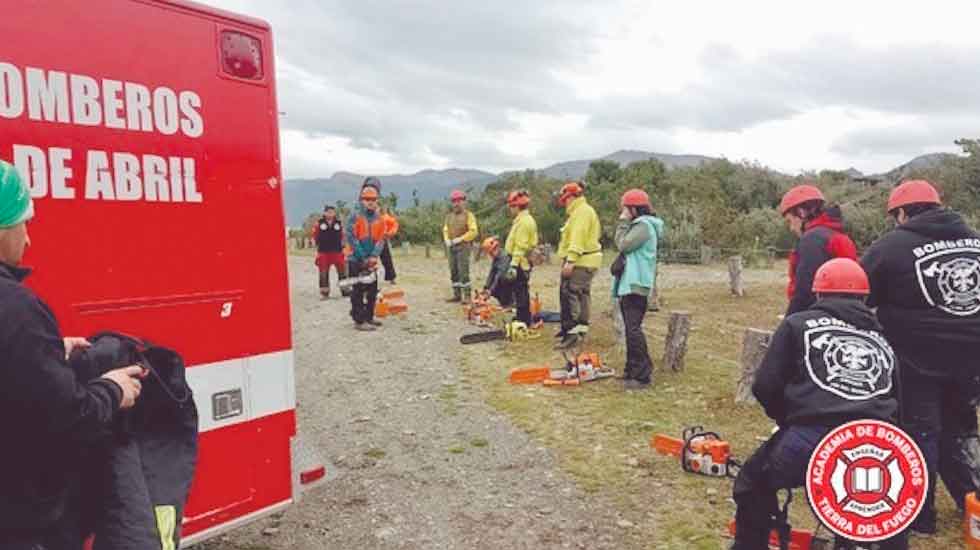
(675, 348)
(706, 255)
(735, 275)
(428, 251)
(754, 346)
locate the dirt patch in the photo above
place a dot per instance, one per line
(421, 460)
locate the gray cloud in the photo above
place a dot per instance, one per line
(909, 138)
(737, 93)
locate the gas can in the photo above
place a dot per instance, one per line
(971, 521)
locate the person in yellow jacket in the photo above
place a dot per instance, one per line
(581, 256)
(521, 240)
(458, 232)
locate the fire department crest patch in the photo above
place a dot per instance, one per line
(850, 363)
(950, 280)
(867, 480)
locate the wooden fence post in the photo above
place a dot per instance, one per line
(706, 255)
(675, 348)
(735, 275)
(754, 346)
(428, 251)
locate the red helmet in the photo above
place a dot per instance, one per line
(569, 191)
(457, 195)
(913, 192)
(369, 192)
(841, 276)
(797, 196)
(636, 197)
(518, 198)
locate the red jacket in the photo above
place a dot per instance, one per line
(823, 239)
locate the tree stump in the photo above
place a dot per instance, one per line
(675, 348)
(735, 275)
(754, 346)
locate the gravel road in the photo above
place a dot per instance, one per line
(420, 460)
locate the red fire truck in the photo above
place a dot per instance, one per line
(148, 132)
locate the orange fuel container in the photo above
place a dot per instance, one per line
(971, 521)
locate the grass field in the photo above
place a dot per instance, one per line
(601, 433)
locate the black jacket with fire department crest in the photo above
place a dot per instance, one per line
(925, 282)
(826, 366)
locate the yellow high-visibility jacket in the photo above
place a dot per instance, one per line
(579, 242)
(522, 239)
(472, 231)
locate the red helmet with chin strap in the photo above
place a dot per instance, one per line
(913, 192)
(799, 195)
(841, 276)
(457, 195)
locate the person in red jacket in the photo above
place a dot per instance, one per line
(822, 238)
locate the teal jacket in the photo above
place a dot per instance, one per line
(638, 240)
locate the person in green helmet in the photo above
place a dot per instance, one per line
(46, 413)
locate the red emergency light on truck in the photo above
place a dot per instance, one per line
(148, 132)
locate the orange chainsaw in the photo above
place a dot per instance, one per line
(480, 311)
(700, 452)
(585, 367)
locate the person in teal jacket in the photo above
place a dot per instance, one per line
(637, 237)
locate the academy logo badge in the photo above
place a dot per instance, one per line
(867, 480)
(847, 362)
(950, 278)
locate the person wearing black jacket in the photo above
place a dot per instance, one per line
(925, 282)
(825, 366)
(47, 416)
(501, 277)
(329, 235)
(821, 232)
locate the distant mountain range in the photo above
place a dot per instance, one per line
(304, 196)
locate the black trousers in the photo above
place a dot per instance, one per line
(522, 295)
(639, 366)
(938, 412)
(387, 262)
(362, 297)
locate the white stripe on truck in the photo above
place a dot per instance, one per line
(264, 382)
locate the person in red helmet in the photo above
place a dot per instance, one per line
(581, 256)
(366, 238)
(521, 240)
(808, 392)
(821, 233)
(636, 238)
(459, 231)
(925, 284)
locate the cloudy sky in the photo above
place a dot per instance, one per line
(391, 86)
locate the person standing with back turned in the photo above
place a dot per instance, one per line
(925, 284)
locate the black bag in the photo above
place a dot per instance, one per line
(618, 266)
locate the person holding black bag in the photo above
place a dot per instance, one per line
(635, 274)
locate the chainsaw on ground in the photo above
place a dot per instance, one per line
(700, 452)
(480, 311)
(514, 331)
(585, 367)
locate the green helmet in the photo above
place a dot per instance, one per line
(16, 206)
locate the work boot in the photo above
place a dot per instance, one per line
(364, 327)
(375, 323)
(466, 296)
(568, 342)
(457, 296)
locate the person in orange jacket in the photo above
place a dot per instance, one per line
(391, 229)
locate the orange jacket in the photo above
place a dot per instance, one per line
(391, 225)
